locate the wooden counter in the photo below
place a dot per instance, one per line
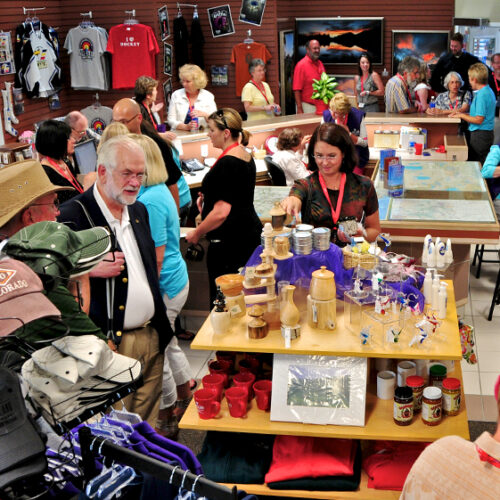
(436, 127)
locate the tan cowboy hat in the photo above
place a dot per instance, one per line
(21, 183)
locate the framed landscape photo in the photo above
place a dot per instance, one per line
(428, 46)
(346, 84)
(326, 390)
(342, 39)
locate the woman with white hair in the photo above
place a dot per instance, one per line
(453, 100)
(190, 106)
(256, 94)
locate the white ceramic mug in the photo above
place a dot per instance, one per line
(405, 369)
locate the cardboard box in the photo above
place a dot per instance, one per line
(456, 147)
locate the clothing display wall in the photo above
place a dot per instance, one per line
(99, 117)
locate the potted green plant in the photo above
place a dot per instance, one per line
(324, 89)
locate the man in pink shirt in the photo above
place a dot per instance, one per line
(309, 68)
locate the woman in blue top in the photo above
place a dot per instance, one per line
(491, 170)
(174, 283)
(482, 114)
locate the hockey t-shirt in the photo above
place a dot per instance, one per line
(133, 48)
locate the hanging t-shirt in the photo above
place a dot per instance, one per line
(38, 67)
(133, 48)
(86, 46)
(99, 117)
(241, 57)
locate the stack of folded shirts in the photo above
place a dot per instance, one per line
(230, 457)
(314, 464)
(390, 463)
(75, 374)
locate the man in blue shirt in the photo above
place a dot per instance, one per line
(481, 118)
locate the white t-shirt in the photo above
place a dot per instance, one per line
(292, 165)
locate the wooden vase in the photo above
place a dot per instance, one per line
(289, 314)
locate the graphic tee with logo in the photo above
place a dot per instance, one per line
(133, 48)
(86, 47)
(242, 56)
(99, 117)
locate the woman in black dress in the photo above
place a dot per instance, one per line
(229, 219)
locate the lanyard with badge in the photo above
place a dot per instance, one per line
(225, 152)
(262, 91)
(336, 212)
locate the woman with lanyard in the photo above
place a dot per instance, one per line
(226, 200)
(256, 94)
(54, 141)
(333, 193)
(368, 84)
(353, 120)
(453, 100)
(191, 105)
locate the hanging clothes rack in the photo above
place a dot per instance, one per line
(91, 445)
(248, 39)
(131, 19)
(85, 23)
(32, 9)
(193, 6)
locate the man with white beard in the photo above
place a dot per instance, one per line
(397, 89)
(125, 295)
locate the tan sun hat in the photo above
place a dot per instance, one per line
(21, 183)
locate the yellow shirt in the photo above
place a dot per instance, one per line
(253, 95)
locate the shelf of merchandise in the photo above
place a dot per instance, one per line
(379, 423)
(339, 342)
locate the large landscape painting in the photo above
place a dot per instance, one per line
(342, 39)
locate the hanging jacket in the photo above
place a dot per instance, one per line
(197, 42)
(39, 68)
(180, 42)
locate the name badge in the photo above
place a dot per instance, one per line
(361, 105)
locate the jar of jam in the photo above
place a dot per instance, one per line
(403, 405)
(417, 386)
(451, 396)
(437, 374)
(431, 405)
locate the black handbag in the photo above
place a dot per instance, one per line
(194, 253)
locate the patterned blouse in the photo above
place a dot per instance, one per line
(443, 100)
(359, 197)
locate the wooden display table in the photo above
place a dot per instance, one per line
(378, 423)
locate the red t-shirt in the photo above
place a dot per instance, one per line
(133, 48)
(241, 57)
(307, 70)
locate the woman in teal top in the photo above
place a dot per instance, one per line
(174, 282)
(491, 170)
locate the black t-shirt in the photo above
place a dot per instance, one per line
(232, 180)
(174, 173)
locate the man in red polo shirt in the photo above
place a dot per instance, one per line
(307, 69)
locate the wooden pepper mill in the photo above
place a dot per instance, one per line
(257, 326)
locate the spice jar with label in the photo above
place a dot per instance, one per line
(451, 396)
(403, 405)
(431, 405)
(437, 373)
(417, 386)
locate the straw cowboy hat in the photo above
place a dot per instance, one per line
(21, 183)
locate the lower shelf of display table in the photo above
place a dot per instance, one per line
(379, 423)
(363, 493)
